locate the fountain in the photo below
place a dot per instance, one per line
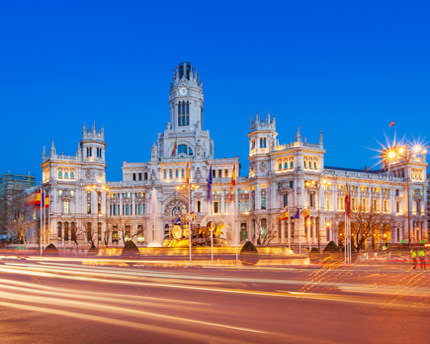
(154, 223)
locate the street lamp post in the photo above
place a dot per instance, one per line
(404, 155)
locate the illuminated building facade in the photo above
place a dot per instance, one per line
(290, 177)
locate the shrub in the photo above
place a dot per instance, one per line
(331, 247)
(93, 250)
(51, 250)
(248, 254)
(130, 249)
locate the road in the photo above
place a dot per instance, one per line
(53, 300)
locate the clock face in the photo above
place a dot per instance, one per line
(182, 91)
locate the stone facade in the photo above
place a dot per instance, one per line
(290, 177)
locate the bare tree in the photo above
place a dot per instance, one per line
(365, 226)
(264, 235)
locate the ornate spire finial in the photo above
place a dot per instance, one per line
(321, 138)
(44, 153)
(298, 136)
(53, 152)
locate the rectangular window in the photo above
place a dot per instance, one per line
(216, 207)
(263, 202)
(66, 207)
(134, 176)
(286, 200)
(140, 176)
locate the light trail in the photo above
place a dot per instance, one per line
(129, 324)
(283, 294)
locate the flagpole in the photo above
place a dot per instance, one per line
(41, 223)
(236, 226)
(209, 202)
(189, 210)
(49, 216)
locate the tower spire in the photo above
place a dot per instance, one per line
(53, 152)
(321, 138)
(298, 136)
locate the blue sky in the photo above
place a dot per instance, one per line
(348, 68)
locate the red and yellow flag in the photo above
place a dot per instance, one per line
(174, 147)
(347, 202)
(187, 173)
(284, 216)
(233, 176)
(306, 212)
(392, 123)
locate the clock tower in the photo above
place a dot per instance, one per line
(185, 130)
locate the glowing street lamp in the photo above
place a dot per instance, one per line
(403, 154)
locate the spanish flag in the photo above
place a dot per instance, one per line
(233, 177)
(284, 216)
(306, 212)
(33, 200)
(392, 124)
(174, 147)
(192, 216)
(37, 199)
(187, 173)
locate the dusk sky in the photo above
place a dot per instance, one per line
(348, 68)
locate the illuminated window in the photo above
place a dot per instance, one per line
(66, 207)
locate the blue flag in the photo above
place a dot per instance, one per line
(297, 216)
(209, 195)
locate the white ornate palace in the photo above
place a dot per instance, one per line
(282, 178)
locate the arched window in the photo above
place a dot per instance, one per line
(182, 149)
(183, 173)
(72, 175)
(286, 165)
(170, 174)
(291, 164)
(315, 165)
(60, 175)
(66, 231)
(59, 231)
(262, 142)
(66, 175)
(165, 174)
(280, 166)
(177, 173)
